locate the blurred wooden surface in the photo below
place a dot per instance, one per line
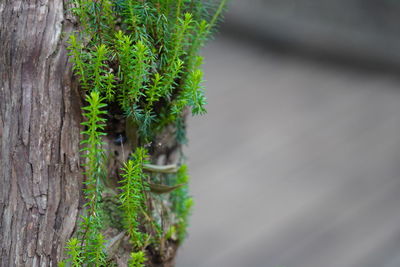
(362, 30)
(296, 164)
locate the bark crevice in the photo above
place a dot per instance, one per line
(40, 128)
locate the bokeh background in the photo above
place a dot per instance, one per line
(297, 163)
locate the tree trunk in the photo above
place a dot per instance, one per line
(40, 176)
(40, 115)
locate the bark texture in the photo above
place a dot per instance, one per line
(40, 116)
(39, 127)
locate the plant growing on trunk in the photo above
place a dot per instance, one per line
(139, 70)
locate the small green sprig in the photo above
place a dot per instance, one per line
(91, 250)
(137, 259)
(94, 250)
(182, 203)
(132, 196)
(78, 57)
(74, 251)
(93, 147)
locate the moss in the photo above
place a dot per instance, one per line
(138, 59)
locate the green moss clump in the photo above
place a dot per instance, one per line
(140, 60)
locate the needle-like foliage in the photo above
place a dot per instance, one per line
(182, 203)
(91, 242)
(132, 196)
(140, 59)
(146, 54)
(137, 259)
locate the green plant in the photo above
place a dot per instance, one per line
(132, 196)
(137, 60)
(75, 252)
(137, 259)
(181, 202)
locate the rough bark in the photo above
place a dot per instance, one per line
(40, 115)
(39, 127)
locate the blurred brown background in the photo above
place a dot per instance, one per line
(297, 162)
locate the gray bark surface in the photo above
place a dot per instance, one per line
(39, 128)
